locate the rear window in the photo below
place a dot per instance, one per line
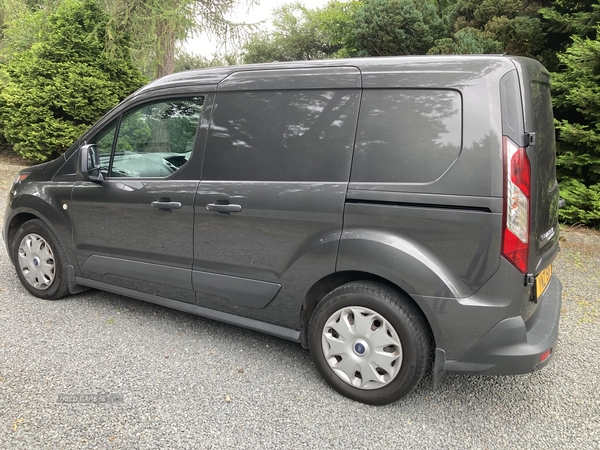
(543, 125)
(407, 136)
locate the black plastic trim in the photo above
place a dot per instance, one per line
(439, 367)
(252, 324)
(74, 288)
(418, 205)
(156, 273)
(241, 291)
(512, 108)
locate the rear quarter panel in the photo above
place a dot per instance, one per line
(438, 240)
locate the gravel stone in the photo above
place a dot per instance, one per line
(168, 376)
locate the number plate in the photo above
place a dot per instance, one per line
(542, 281)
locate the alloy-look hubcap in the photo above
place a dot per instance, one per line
(362, 347)
(36, 261)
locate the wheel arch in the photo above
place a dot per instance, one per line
(332, 281)
(40, 210)
(11, 229)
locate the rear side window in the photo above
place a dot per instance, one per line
(295, 135)
(543, 124)
(407, 136)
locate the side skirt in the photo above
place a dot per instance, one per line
(251, 324)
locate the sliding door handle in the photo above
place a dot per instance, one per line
(223, 209)
(163, 205)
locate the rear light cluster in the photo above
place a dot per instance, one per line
(544, 356)
(517, 189)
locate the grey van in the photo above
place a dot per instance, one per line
(393, 215)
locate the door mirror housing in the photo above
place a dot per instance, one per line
(88, 163)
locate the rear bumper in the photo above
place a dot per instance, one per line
(513, 346)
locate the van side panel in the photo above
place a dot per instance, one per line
(478, 169)
(279, 149)
(434, 252)
(440, 145)
(431, 220)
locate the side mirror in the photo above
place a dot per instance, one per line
(88, 163)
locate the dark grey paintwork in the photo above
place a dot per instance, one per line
(539, 119)
(287, 233)
(428, 251)
(431, 228)
(513, 345)
(307, 78)
(118, 220)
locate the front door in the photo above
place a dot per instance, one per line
(135, 229)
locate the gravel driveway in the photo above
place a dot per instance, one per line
(158, 378)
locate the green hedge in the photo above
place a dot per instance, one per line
(57, 88)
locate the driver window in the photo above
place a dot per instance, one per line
(104, 140)
(156, 139)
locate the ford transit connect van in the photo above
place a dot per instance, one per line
(393, 215)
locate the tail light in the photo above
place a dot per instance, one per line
(516, 214)
(544, 356)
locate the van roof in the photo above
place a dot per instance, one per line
(427, 63)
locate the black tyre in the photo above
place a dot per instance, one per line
(40, 260)
(369, 342)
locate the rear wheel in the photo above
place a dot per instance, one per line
(40, 260)
(369, 342)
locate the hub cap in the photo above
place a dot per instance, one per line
(36, 261)
(362, 347)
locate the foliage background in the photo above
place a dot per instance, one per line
(63, 80)
(64, 63)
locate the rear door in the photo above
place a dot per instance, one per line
(539, 129)
(270, 204)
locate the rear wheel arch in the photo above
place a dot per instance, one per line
(370, 342)
(331, 282)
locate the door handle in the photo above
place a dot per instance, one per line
(165, 205)
(223, 209)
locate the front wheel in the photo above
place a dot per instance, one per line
(369, 342)
(40, 260)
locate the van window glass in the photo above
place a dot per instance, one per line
(156, 139)
(407, 136)
(543, 124)
(302, 135)
(512, 114)
(104, 140)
